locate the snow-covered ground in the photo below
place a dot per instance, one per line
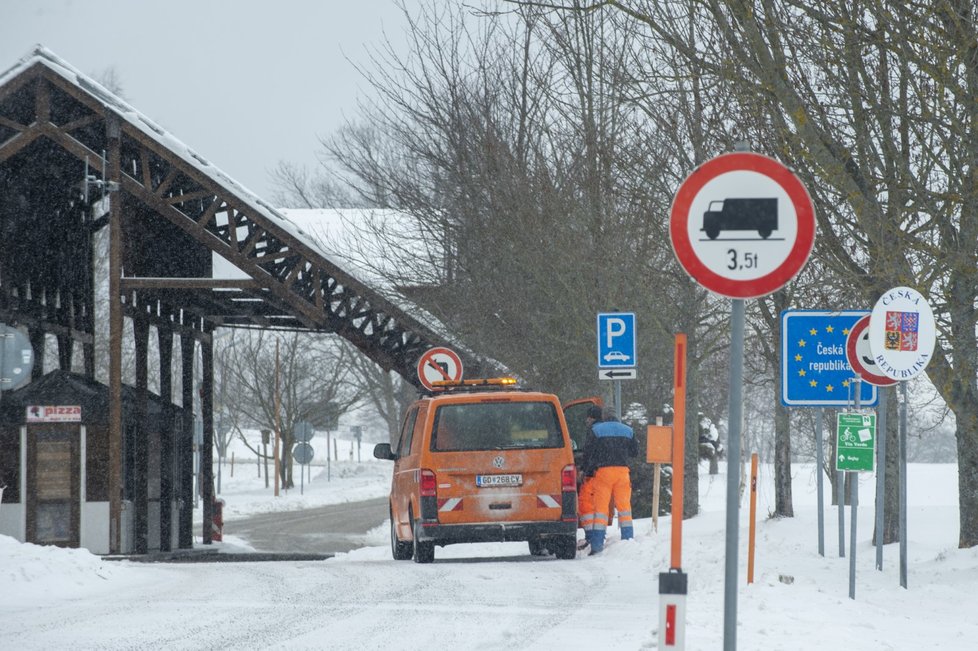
(492, 596)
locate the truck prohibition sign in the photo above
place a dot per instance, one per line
(742, 225)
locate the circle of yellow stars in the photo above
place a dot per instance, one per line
(802, 373)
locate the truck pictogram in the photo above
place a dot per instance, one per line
(741, 215)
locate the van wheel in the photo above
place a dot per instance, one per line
(423, 552)
(764, 232)
(712, 232)
(565, 547)
(401, 551)
(537, 547)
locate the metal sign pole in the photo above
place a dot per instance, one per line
(840, 495)
(880, 476)
(820, 482)
(735, 418)
(903, 485)
(618, 399)
(853, 507)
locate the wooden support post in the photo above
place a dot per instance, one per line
(656, 486)
(165, 341)
(186, 447)
(140, 434)
(207, 447)
(114, 173)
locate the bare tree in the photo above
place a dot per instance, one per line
(313, 383)
(874, 104)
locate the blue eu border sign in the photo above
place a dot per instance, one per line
(616, 339)
(814, 369)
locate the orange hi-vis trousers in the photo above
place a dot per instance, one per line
(608, 481)
(585, 506)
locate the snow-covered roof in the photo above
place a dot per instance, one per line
(43, 56)
(334, 225)
(360, 240)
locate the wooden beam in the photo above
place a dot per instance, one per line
(18, 142)
(10, 124)
(131, 282)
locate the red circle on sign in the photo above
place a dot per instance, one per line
(437, 364)
(858, 329)
(690, 260)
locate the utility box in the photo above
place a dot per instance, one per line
(659, 448)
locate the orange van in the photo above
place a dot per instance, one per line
(480, 461)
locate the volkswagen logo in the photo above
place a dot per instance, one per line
(498, 462)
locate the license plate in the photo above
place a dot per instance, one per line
(486, 481)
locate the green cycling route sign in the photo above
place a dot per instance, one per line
(856, 442)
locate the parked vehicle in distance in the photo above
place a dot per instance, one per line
(741, 215)
(481, 461)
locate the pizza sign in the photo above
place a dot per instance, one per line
(54, 414)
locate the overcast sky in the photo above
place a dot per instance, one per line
(245, 83)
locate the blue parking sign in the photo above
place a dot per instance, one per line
(616, 339)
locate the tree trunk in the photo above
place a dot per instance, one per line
(783, 507)
(967, 436)
(891, 492)
(691, 462)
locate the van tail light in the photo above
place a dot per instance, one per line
(429, 484)
(568, 478)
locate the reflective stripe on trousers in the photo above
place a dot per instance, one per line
(585, 504)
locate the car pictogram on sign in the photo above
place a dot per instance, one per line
(616, 356)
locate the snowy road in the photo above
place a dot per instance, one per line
(330, 529)
(497, 596)
(358, 600)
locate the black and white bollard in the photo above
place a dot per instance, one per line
(672, 609)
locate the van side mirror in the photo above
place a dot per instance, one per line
(383, 451)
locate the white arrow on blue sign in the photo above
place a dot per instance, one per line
(616, 339)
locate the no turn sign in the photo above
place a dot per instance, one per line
(438, 364)
(742, 225)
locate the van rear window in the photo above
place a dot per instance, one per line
(495, 426)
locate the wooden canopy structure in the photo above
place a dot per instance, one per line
(76, 159)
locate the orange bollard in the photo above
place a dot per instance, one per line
(673, 585)
(678, 450)
(753, 517)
